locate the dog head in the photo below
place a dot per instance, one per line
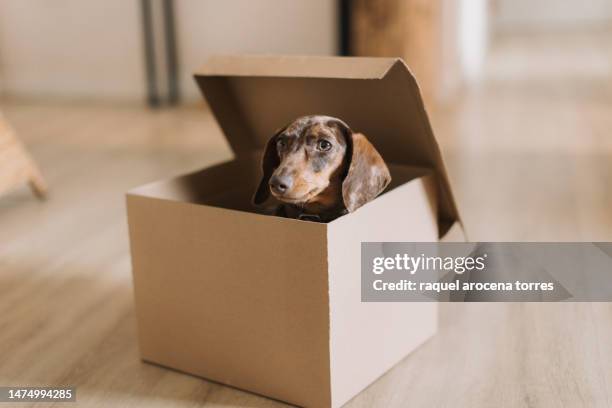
(318, 159)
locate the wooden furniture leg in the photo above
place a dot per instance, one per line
(16, 165)
(410, 29)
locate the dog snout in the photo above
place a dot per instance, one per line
(281, 184)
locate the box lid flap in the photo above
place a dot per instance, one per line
(253, 96)
(294, 66)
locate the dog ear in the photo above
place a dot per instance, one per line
(269, 163)
(367, 174)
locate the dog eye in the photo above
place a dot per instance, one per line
(323, 145)
(281, 144)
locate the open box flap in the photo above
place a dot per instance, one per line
(253, 96)
(297, 67)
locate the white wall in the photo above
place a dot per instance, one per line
(93, 49)
(473, 37)
(465, 40)
(71, 48)
(551, 14)
(251, 26)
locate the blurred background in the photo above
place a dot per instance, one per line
(101, 96)
(518, 91)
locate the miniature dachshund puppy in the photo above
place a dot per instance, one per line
(319, 169)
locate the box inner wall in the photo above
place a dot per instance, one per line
(231, 185)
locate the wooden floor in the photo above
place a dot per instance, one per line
(529, 152)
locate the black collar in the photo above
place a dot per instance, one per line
(298, 212)
(309, 217)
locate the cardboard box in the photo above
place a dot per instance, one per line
(268, 304)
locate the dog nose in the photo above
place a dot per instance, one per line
(280, 184)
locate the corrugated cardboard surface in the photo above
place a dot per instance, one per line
(248, 300)
(230, 184)
(369, 338)
(235, 297)
(268, 304)
(296, 66)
